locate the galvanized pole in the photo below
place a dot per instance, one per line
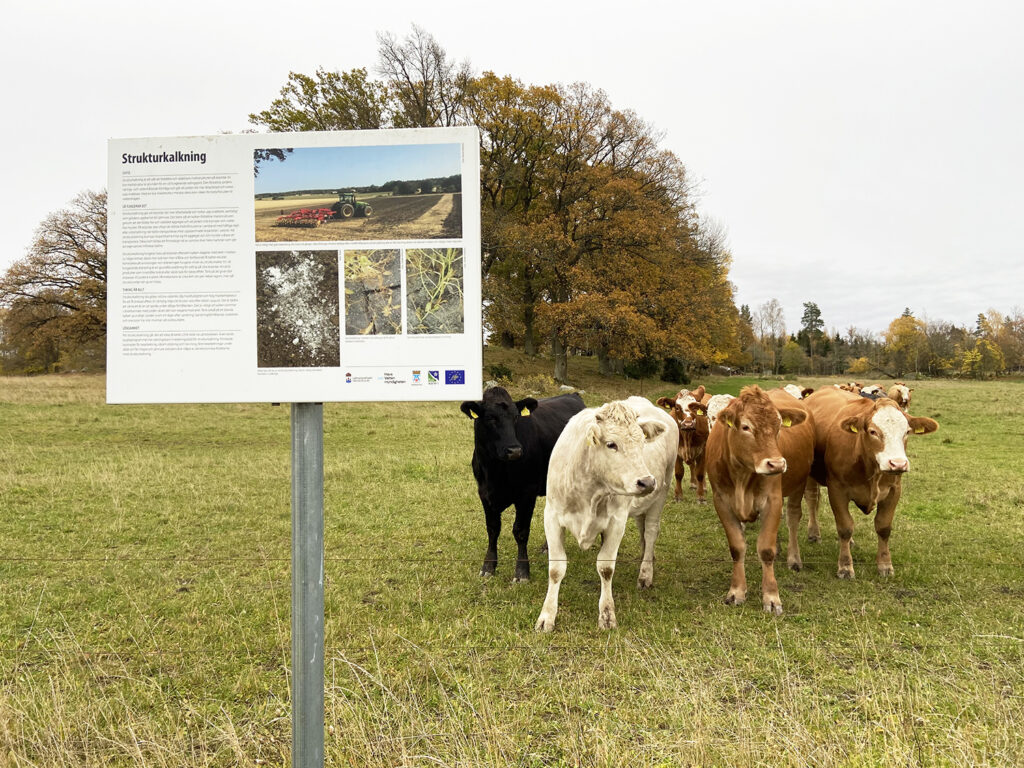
(307, 585)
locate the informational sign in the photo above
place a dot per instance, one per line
(294, 267)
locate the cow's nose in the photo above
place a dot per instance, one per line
(774, 466)
(646, 484)
(511, 454)
(898, 465)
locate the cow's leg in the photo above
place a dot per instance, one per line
(492, 516)
(699, 474)
(557, 564)
(811, 498)
(693, 476)
(649, 525)
(606, 570)
(737, 548)
(883, 527)
(521, 533)
(680, 472)
(793, 523)
(840, 504)
(767, 549)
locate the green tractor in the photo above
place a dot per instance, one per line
(347, 206)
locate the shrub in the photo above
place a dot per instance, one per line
(674, 370)
(500, 371)
(644, 368)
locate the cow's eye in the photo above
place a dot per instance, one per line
(745, 427)
(611, 446)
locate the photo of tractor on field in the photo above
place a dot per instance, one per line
(345, 194)
(347, 206)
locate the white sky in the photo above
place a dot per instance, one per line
(867, 156)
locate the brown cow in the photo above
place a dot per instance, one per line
(759, 450)
(900, 392)
(860, 456)
(693, 437)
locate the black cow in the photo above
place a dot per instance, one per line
(512, 445)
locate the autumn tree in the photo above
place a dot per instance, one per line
(906, 344)
(589, 235)
(54, 300)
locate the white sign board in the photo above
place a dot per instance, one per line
(294, 267)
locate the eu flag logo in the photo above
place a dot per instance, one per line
(454, 377)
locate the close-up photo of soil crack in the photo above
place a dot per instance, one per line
(373, 292)
(297, 316)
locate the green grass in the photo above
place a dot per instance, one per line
(145, 601)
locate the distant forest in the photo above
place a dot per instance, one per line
(406, 187)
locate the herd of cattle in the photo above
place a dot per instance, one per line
(598, 467)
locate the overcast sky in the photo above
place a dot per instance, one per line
(866, 156)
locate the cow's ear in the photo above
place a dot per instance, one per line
(792, 416)
(651, 428)
(806, 391)
(698, 409)
(667, 402)
(593, 434)
(472, 408)
(852, 424)
(922, 425)
(730, 415)
(526, 406)
(698, 393)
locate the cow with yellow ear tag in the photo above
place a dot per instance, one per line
(759, 451)
(512, 444)
(861, 457)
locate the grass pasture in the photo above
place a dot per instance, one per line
(145, 599)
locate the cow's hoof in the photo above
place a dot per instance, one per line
(545, 624)
(645, 582)
(487, 571)
(677, 497)
(886, 570)
(607, 621)
(813, 535)
(773, 606)
(521, 578)
(701, 501)
(845, 573)
(734, 598)
(796, 565)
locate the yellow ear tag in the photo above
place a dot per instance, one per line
(853, 428)
(472, 415)
(919, 431)
(525, 411)
(787, 422)
(728, 423)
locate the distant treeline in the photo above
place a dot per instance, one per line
(396, 187)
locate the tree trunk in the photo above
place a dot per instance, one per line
(559, 353)
(529, 347)
(605, 365)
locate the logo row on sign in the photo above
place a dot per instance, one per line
(454, 376)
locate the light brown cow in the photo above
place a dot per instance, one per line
(693, 437)
(759, 450)
(860, 456)
(900, 392)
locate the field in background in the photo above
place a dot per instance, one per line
(144, 619)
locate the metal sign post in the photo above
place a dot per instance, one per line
(307, 585)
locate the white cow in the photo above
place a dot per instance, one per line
(609, 464)
(715, 406)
